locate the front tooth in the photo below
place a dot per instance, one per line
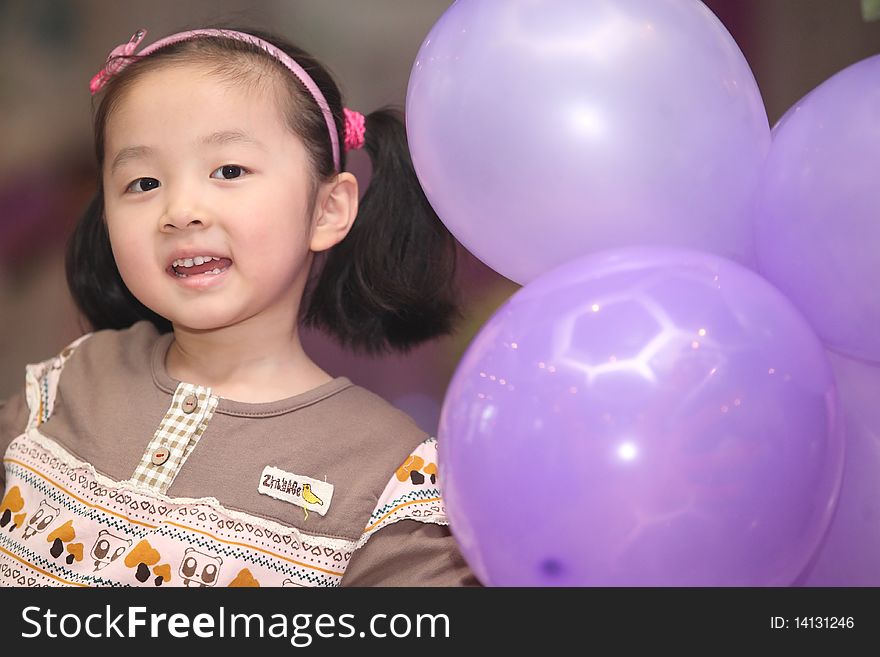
(215, 271)
(188, 262)
(198, 260)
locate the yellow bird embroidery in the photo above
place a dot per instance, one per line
(310, 497)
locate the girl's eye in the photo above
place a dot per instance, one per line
(229, 171)
(148, 184)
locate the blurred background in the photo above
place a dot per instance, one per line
(47, 167)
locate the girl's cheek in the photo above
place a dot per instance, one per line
(128, 247)
(253, 229)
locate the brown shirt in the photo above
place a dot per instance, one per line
(114, 401)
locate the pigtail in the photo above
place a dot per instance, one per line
(390, 283)
(94, 281)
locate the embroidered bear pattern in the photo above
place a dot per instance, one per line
(108, 548)
(199, 569)
(61, 525)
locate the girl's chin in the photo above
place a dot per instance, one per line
(197, 325)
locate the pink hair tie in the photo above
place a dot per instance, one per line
(116, 61)
(355, 129)
(123, 55)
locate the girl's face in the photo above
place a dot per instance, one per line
(195, 166)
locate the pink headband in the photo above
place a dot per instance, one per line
(123, 54)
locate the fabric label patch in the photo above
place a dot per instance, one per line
(306, 492)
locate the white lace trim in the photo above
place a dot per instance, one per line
(68, 459)
(434, 520)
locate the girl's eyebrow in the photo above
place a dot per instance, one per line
(220, 137)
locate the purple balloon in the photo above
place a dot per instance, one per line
(641, 417)
(818, 216)
(850, 553)
(542, 132)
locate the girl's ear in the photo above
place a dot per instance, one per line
(335, 211)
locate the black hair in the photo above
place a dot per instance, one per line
(388, 285)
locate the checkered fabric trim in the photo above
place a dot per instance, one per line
(178, 432)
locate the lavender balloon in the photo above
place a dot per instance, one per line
(541, 132)
(645, 416)
(850, 553)
(818, 210)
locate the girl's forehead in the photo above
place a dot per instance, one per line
(192, 106)
(193, 90)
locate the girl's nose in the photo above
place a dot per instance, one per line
(181, 212)
(172, 221)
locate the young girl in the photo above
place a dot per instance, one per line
(189, 440)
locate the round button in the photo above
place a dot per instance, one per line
(190, 403)
(160, 455)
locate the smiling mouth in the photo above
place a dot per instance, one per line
(210, 268)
